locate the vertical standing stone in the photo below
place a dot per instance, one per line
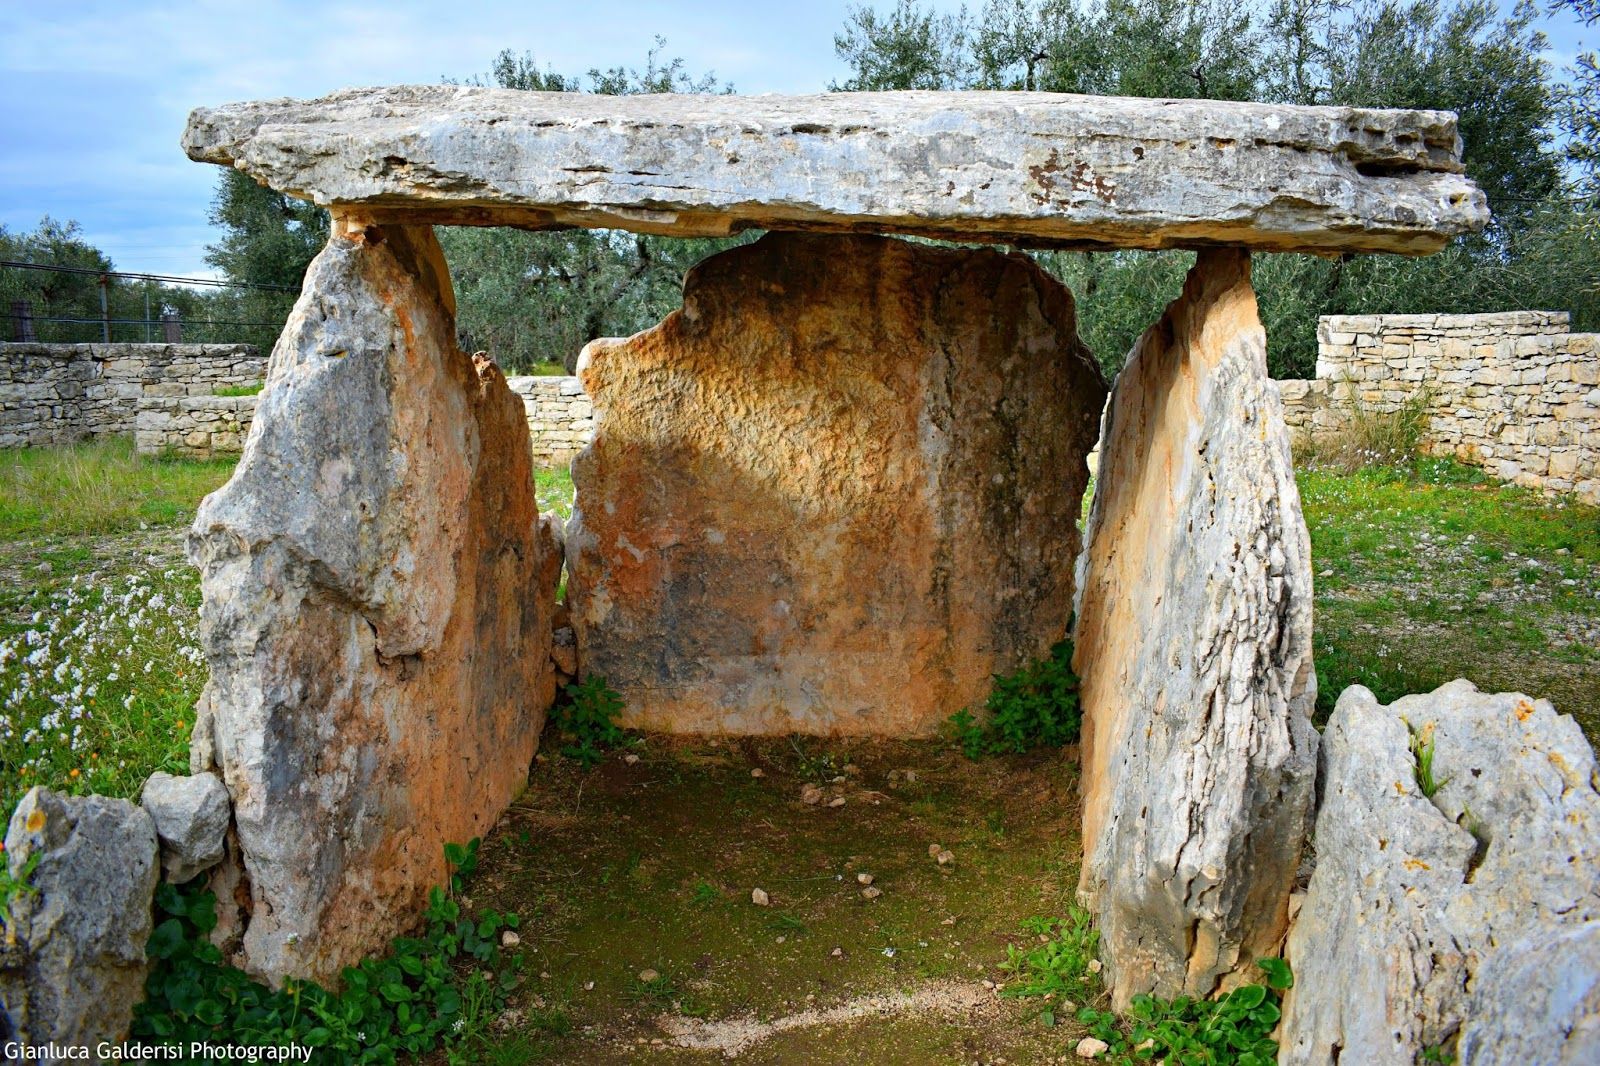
(378, 594)
(836, 492)
(1194, 648)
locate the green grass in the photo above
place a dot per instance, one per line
(1429, 572)
(553, 490)
(252, 389)
(103, 487)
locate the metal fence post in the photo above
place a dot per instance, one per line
(22, 317)
(105, 309)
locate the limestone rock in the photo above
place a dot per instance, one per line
(1039, 168)
(1194, 653)
(377, 597)
(835, 493)
(76, 966)
(1537, 1001)
(564, 651)
(191, 820)
(1426, 912)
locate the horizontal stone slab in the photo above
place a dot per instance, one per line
(1032, 169)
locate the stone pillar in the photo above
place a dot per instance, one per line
(1194, 649)
(378, 593)
(836, 492)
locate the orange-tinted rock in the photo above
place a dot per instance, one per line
(378, 591)
(1194, 649)
(834, 493)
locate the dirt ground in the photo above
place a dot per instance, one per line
(634, 881)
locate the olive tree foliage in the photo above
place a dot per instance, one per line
(1458, 55)
(1581, 103)
(533, 299)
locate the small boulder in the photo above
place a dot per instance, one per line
(1458, 847)
(564, 651)
(191, 819)
(73, 966)
(760, 898)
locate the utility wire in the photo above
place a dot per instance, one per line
(164, 279)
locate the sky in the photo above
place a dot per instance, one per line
(93, 95)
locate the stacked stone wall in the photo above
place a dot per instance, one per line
(560, 417)
(1515, 393)
(61, 393)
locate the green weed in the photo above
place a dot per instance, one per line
(1035, 707)
(1057, 964)
(1422, 750)
(1235, 1030)
(441, 988)
(103, 487)
(252, 389)
(587, 719)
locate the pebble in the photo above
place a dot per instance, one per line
(630, 758)
(646, 976)
(865, 879)
(871, 892)
(837, 953)
(509, 939)
(945, 858)
(588, 986)
(934, 850)
(837, 801)
(758, 772)
(1091, 1046)
(810, 795)
(1095, 966)
(760, 898)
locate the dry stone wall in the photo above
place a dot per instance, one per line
(560, 421)
(61, 393)
(560, 417)
(1515, 393)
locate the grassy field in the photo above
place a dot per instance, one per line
(1430, 573)
(1424, 573)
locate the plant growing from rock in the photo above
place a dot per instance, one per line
(1422, 750)
(1035, 707)
(587, 719)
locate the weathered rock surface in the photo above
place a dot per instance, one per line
(1426, 912)
(1537, 1001)
(1194, 650)
(72, 965)
(1040, 168)
(836, 492)
(191, 819)
(378, 591)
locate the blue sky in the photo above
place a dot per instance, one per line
(93, 95)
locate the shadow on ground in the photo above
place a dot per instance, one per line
(641, 941)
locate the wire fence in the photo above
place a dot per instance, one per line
(60, 303)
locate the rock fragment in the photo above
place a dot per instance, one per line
(191, 819)
(1470, 913)
(72, 963)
